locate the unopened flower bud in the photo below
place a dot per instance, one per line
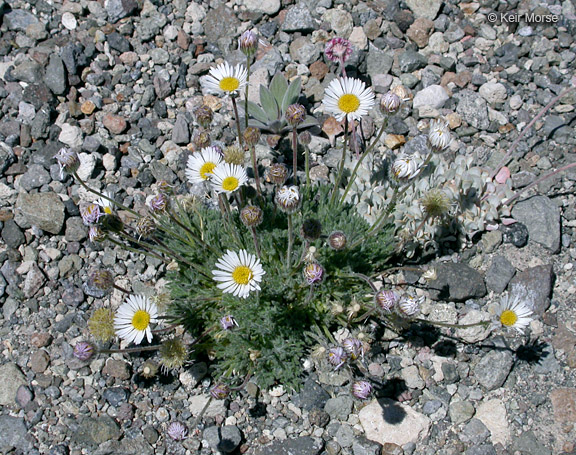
(337, 356)
(228, 322)
(251, 136)
(313, 272)
(338, 50)
(295, 114)
(251, 216)
(386, 299)
(158, 203)
(311, 229)
(248, 43)
(201, 140)
(220, 391)
(288, 199)
(408, 306)
(145, 226)
(361, 389)
(354, 347)
(439, 135)
(204, 116)
(337, 240)
(390, 103)
(83, 350)
(277, 173)
(305, 138)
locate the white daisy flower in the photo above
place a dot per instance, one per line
(200, 166)
(288, 198)
(439, 135)
(133, 319)
(514, 313)
(406, 166)
(227, 178)
(239, 273)
(226, 79)
(107, 206)
(348, 97)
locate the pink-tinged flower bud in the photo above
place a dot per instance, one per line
(295, 114)
(204, 116)
(228, 322)
(354, 348)
(83, 350)
(337, 356)
(386, 300)
(337, 240)
(338, 50)
(251, 216)
(177, 431)
(220, 391)
(277, 173)
(361, 389)
(248, 43)
(390, 103)
(158, 203)
(314, 273)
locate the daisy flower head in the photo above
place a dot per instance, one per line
(200, 166)
(338, 50)
(90, 214)
(227, 178)
(514, 313)
(288, 199)
(406, 166)
(133, 319)
(226, 79)
(238, 273)
(439, 135)
(106, 205)
(348, 98)
(361, 389)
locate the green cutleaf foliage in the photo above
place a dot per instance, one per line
(274, 325)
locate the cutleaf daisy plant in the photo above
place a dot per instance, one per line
(514, 313)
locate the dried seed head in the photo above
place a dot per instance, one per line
(101, 324)
(311, 229)
(251, 216)
(173, 355)
(435, 203)
(234, 155)
(277, 173)
(337, 240)
(295, 114)
(305, 138)
(83, 350)
(204, 116)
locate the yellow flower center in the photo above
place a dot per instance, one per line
(348, 103)
(229, 84)
(206, 169)
(140, 320)
(508, 318)
(230, 183)
(108, 210)
(242, 274)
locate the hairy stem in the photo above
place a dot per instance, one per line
(255, 168)
(238, 127)
(290, 240)
(335, 191)
(248, 62)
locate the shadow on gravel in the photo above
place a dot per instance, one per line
(532, 352)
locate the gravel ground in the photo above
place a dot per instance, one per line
(118, 80)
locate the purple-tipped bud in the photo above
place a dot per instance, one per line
(158, 203)
(337, 240)
(145, 226)
(90, 214)
(354, 348)
(68, 160)
(295, 114)
(251, 136)
(313, 273)
(361, 389)
(277, 173)
(220, 391)
(248, 43)
(228, 322)
(337, 356)
(338, 50)
(386, 299)
(204, 116)
(408, 306)
(101, 279)
(177, 431)
(251, 216)
(390, 103)
(83, 350)
(201, 140)
(164, 187)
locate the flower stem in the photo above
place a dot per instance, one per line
(238, 127)
(290, 240)
(295, 155)
(335, 191)
(129, 350)
(248, 62)
(121, 289)
(307, 164)
(134, 250)
(256, 243)
(453, 326)
(364, 155)
(255, 168)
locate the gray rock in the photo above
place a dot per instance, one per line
(299, 19)
(460, 411)
(516, 234)
(548, 363)
(220, 22)
(378, 61)
(55, 77)
(410, 61)
(272, 61)
(117, 9)
(127, 446)
(224, 439)
(339, 407)
(483, 449)
(534, 285)
(24, 396)
(181, 132)
(430, 407)
(9, 307)
(433, 96)
(363, 446)
(499, 274)
(44, 210)
(474, 432)
(542, 218)
(425, 8)
(11, 378)
(527, 442)
(311, 396)
(457, 282)
(6, 157)
(159, 56)
(73, 296)
(76, 231)
(19, 20)
(493, 369)
(93, 431)
(118, 42)
(299, 446)
(344, 435)
(473, 109)
(28, 71)
(269, 7)
(116, 395)
(34, 177)
(12, 235)
(304, 51)
(14, 434)
(33, 281)
(162, 87)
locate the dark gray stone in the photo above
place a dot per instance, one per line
(410, 61)
(220, 22)
(430, 407)
(534, 285)
(6, 157)
(162, 88)
(44, 210)
(24, 396)
(339, 407)
(116, 395)
(34, 177)
(224, 439)
(118, 42)
(12, 235)
(14, 434)
(117, 9)
(299, 19)
(28, 71)
(484, 449)
(93, 431)
(516, 234)
(457, 282)
(377, 61)
(299, 446)
(181, 132)
(363, 446)
(473, 109)
(542, 218)
(73, 296)
(474, 432)
(76, 231)
(499, 274)
(311, 396)
(527, 443)
(19, 20)
(55, 77)
(493, 369)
